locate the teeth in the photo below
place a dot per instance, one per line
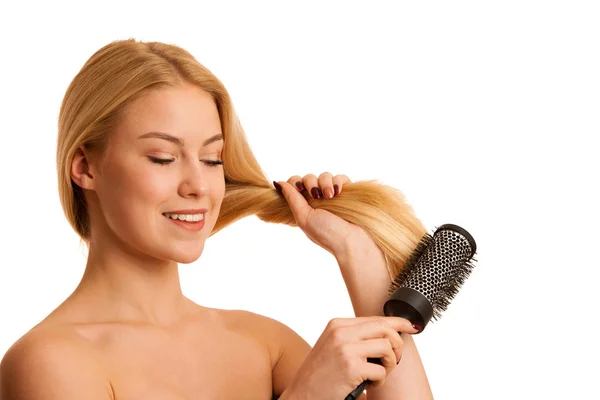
(186, 217)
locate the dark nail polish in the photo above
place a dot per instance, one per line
(277, 186)
(336, 189)
(417, 327)
(300, 186)
(316, 192)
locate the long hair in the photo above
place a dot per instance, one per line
(123, 70)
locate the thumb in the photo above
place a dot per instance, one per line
(298, 204)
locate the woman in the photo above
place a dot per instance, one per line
(151, 161)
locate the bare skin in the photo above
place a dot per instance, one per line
(211, 353)
(128, 332)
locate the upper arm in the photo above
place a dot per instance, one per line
(291, 350)
(52, 368)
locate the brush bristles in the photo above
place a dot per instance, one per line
(438, 266)
(411, 263)
(449, 291)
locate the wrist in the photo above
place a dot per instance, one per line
(357, 246)
(366, 276)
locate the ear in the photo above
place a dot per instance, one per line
(81, 169)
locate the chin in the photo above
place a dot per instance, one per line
(187, 254)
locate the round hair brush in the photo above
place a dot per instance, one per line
(435, 271)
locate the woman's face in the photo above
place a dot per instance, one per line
(162, 183)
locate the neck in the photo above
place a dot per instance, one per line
(119, 286)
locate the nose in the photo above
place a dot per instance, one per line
(193, 182)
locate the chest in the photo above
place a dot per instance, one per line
(211, 365)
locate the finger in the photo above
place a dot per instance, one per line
(338, 182)
(378, 330)
(374, 373)
(298, 204)
(397, 323)
(373, 328)
(378, 349)
(326, 184)
(296, 181)
(381, 328)
(400, 324)
(341, 322)
(312, 185)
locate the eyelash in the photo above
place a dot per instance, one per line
(162, 161)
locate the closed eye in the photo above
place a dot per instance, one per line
(213, 163)
(161, 161)
(165, 161)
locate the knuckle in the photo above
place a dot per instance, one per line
(333, 323)
(350, 366)
(394, 336)
(337, 335)
(399, 341)
(346, 357)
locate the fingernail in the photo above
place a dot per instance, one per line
(300, 186)
(336, 189)
(277, 186)
(316, 193)
(417, 327)
(329, 193)
(399, 360)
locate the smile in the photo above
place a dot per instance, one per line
(185, 217)
(190, 222)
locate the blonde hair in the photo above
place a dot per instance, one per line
(123, 70)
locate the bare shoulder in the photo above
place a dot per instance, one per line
(287, 349)
(52, 364)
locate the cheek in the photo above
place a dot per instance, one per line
(218, 188)
(217, 192)
(137, 189)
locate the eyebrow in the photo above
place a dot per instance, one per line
(178, 141)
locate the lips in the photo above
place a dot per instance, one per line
(189, 219)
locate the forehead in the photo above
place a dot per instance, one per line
(184, 111)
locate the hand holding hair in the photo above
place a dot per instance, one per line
(360, 211)
(322, 227)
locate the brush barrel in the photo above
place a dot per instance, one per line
(409, 304)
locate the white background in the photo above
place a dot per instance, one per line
(482, 113)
